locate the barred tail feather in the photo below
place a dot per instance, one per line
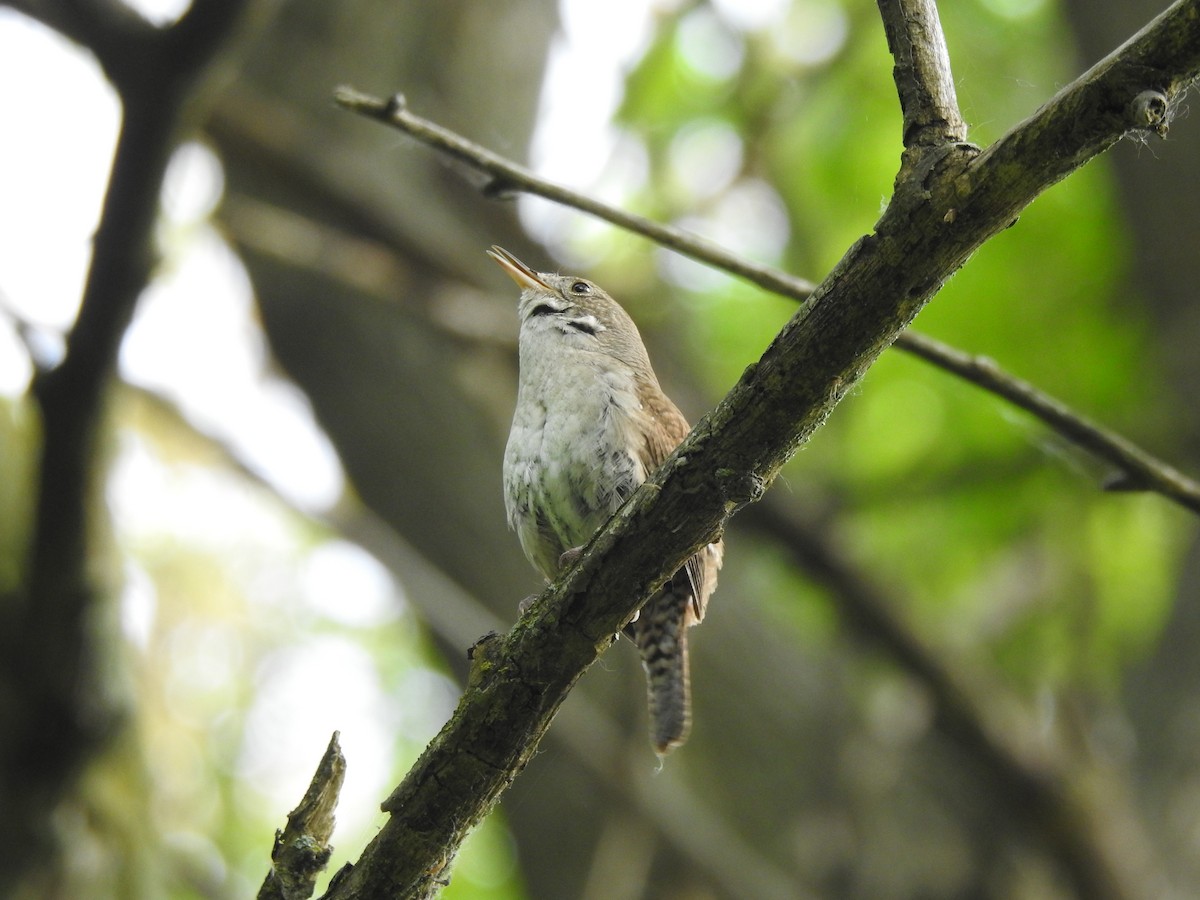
(661, 635)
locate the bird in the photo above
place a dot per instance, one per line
(591, 424)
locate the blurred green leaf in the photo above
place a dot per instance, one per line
(996, 529)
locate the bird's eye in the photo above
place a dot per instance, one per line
(581, 287)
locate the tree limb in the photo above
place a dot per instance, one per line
(588, 732)
(954, 200)
(988, 722)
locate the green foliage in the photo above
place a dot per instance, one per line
(993, 532)
(488, 867)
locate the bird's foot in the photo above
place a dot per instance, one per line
(569, 558)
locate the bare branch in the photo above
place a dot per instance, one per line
(966, 710)
(1140, 470)
(922, 73)
(737, 450)
(508, 176)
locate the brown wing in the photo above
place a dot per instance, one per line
(666, 431)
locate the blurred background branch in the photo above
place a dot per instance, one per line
(53, 653)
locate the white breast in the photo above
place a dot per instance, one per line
(569, 463)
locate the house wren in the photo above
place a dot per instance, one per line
(591, 424)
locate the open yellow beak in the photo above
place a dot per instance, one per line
(524, 276)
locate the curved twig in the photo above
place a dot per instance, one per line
(509, 177)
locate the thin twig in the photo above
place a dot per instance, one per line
(1142, 470)
(508, 177)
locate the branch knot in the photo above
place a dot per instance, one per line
(1151, 110)
(738, 488)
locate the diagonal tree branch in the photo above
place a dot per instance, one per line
(954, 201)
(990, 724)
(970, 714)
(1142, 470)
(590, 733)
